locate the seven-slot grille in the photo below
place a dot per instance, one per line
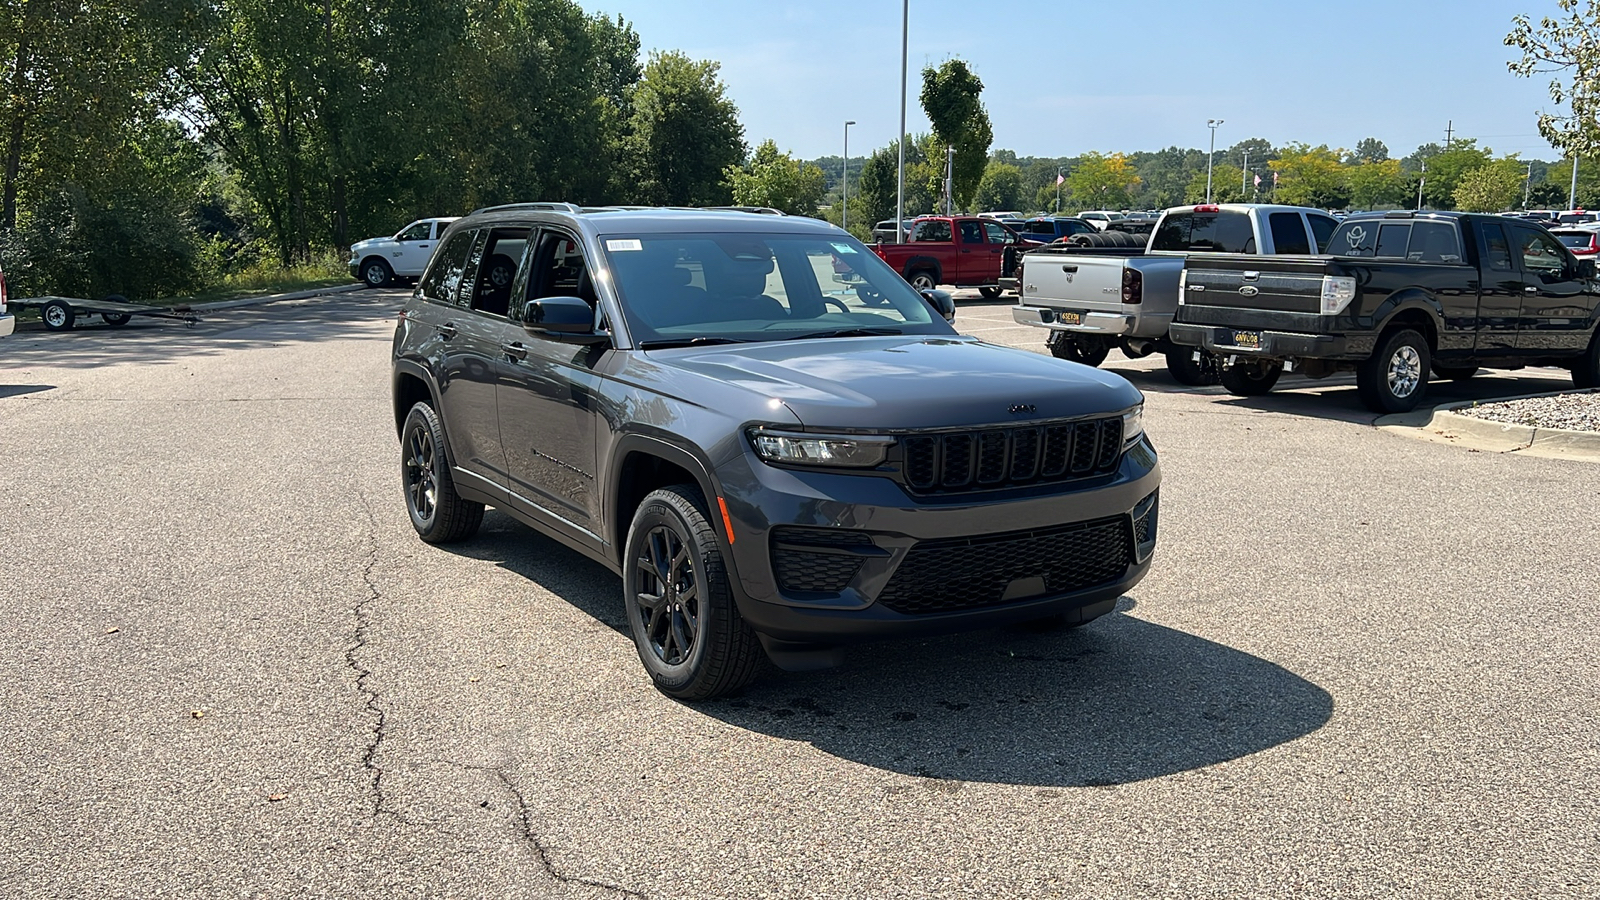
(1000, 457)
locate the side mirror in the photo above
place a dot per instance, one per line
(1586, 268)
(562, 317)
(942, 303)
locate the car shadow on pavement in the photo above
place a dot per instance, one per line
(17, 390)
(1117, 701)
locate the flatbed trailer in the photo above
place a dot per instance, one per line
(60, 313)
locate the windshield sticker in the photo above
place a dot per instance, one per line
(844, 248)
(616, 245)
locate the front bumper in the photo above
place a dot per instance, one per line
(1273, 344)
(1026, 552)
(8, 324)
(1091, 321)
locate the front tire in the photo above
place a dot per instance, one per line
(1086, 349)
(681, 611)
(1186, 370)
(376, 273)
(57, 316)
(1586, 368)
(438, 513)
(1252, 377)
(1394, 379)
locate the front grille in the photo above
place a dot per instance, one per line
(1004, 457)
(971, 573)
(808, 560)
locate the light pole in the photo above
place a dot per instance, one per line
(1526, 186)
(1243, 190)
(1211, 124)
(844, 215)
(900, 190)
(1059, 179)
(949, 181)
(1422, 181)
(1572, 195)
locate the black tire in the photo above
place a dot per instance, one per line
(681, 611)
(989, 292)
(57, 315)
(116, 320)
(1186, 370)
(1251, 377)
(375, 272)
(923, 280)
(437, 512)
(1395, 378)
(1455, 373)
(1087, 349)
(1586, 368)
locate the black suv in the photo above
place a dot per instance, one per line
(765, 431)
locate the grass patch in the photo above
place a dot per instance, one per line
(324, 270)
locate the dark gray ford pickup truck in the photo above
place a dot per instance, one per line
(1399, 294)
(765, 431)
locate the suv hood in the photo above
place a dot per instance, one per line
(914, 381)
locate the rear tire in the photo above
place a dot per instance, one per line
(1252, 377)
(681, 611)
(1394, 379)
(57, 316)
(1455, 373)
(1186, 370)
(1086, 349)
(922, 280)
(989, 292)
(438, 513)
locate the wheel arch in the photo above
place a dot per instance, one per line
(412, 384)
(1412, 309)
(918, 263)
(643, 463)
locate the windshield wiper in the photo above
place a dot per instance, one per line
(846, 332)
(689, 342)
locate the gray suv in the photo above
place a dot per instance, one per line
(774, 441)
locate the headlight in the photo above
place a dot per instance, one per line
(1132, 426)
(1337, 292)
(799, 448)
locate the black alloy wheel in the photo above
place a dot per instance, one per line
(1395, 378)
(1252, 377)
(1088, 349)
(437, 512)
(681, 612)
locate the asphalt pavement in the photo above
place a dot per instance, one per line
(1363, 665)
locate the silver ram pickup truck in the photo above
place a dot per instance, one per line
(1094, 298)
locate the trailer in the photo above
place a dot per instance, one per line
(60, 313)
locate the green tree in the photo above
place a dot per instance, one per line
(1001, 188)
(1260, 150)
(1491, 187)
(1368, 150)
(1378, 185)
(1568, 49)
(684, 133)
(1102, 182)
(1446, 168)
(777, 180)
(1165, 175)
(1309, 176)
(1552, 194)
(950, 97)
(1225, 186)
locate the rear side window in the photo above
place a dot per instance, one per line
(938, 230)
(1434, 242)
(1040, 228)
(1322, 229)
(444, 275)
(1496, 251)
(1288, 233)
(1392, 241)
(1226, 231)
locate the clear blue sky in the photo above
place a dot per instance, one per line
(1061, 78)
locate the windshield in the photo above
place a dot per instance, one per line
(677, 288)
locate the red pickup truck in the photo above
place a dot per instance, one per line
(965, 251)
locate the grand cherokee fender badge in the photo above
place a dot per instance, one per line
(1249, 290)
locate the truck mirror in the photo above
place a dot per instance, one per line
(1586, 268)
(942, 302)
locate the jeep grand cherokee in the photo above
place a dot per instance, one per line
(772, 438)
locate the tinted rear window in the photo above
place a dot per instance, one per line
(1226, 231)
(1392, 240)
(1040, 228)
(1574, 238)
(1288, 233)
(1434, 242)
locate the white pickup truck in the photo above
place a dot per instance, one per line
(377, 261)
(1093, 298)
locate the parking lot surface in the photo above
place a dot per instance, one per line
(1362, 666)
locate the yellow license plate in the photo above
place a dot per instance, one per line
(1069, 318)
(1251, 339)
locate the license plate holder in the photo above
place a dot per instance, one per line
(1069, 318)
(1250, 340)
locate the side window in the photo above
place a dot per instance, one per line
(997, 233)
(417, 231)
(1541, 253)
(1322, 229)
(444, 273)
(1392, 241)
(937, 230)
(1434, 242)
(502, 255)
(1288, 233)
(1496, 250)
(558, 268)
(438, 229)
(971, 233)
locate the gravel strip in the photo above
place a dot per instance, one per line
(1569, 412)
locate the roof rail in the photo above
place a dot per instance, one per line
(543, 206)
(763, 210)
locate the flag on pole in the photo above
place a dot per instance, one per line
(1060, 178)
(1258, 180)
(1274, 179)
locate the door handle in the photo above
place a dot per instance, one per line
(447, 330)
(1530, 289)
(515, 350)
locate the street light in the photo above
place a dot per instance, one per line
(900, 190)
(844, 215)
(1059, 178)
(1211, 124)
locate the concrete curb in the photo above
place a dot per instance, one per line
(1503, 436)
(274, 298)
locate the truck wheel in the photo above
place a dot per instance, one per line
(1586, 368)
(989, 292)
(1251, 377)
(1455, 373)
(1078, 348)
(57, 316)
(1394, 378)
(438, 513)
(922, 280)
(1187, 370)
(688, 630)
(375, 272)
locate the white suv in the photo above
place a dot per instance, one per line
(377, 261)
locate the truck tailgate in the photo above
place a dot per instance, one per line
(1067, 280)
(1283, 284)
